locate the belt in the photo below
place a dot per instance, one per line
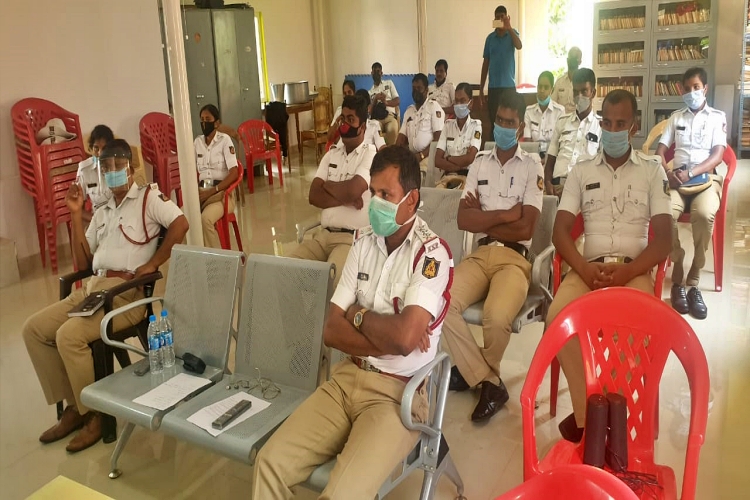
(557, 180)
(208, 183)
(613, 260)
(339, 230)
(366, 366)
(109, 273)
(513, 246)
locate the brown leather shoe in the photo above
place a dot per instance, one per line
(89, 435)
(69, 422)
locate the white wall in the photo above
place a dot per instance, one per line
(101, 60)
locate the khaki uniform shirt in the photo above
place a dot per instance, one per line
(562, 93)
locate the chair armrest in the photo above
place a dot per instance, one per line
(107, 319)
(66, 282)
(301, 230)
(540, 270)
(128, 285)
(443, 363)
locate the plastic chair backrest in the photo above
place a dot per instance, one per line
(37, 112)
(160, 137)
(654, 135)
(572, 482)
(253, 134)
(282, 315)
(440, 211)
(730, 159)
(626, 337)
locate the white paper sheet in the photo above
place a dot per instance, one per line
(172, 391)
(205, 417)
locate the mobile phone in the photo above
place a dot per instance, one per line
(498, 23)
(142, 370)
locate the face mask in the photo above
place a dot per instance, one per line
(694, 99)
(582, 103)
(418, 97)
(382, 215)
(545, 102)
(616, 144)
(461, 110)
(347, 131)
(207, 128)
(116, 178)
(505, 138)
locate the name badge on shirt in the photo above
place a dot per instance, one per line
(332, 165)
(451, 138)
(200, 155)
(535, 123)
(363, 276)
(92, 185)
(482, 182)
(565, 132)
(592, 137)
(592, 186)
(680, 128)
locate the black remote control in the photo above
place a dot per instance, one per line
(232, 413)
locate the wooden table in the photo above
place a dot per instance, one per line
(296, 109)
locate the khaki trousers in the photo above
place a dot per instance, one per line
(355, 415)
(209, 216)
(501, 277)
(58, 345)
(570, 357)
(703, 207)
(389, 125)
(326, 246)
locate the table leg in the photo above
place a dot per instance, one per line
(299, 138)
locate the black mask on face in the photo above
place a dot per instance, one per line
(418, 97)
(207, 128)
(348, 131)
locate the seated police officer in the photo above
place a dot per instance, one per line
(502, 201)
(383, 314)
(423, 122)
(119, 244)
(620, 192)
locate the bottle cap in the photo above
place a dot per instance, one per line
(152, 318)
(163, 312)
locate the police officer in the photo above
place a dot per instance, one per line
(340, 188)
(576, 135)
(699, 133)
(619, 192)
(423, 122)
(541, 117)
(501, 202)
(373, 133)
(441, 90)
(216, 162)
(347, 88)
(461, 137)
(384, 92)
(119, 244)
(89, 175)
(383, 314)
(562, 93)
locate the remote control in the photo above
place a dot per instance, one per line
(232, 413)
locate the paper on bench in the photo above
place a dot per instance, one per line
(172, 391)
(204, 418)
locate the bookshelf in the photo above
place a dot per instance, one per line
(744, 111)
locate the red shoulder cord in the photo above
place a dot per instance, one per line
(143, 217)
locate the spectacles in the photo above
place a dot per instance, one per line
(268, 389)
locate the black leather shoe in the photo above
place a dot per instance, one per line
(570, 430)
(491, 398)
(457, 382)
(698, 308)
(679, 299)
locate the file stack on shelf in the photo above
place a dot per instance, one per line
(683, 13)
(681, 50)
(621, 53)
(668, 86)
(623, 19)
(633, 85)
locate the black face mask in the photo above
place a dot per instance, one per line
(418, 97)
(207, 128)
(347, 131)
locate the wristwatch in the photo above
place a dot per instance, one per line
(690, 172)
(359, 316)
(421, 156)
(216, 188)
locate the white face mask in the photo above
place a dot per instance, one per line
(582, 103)
(694, 99)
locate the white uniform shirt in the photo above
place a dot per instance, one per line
(389, 89)
(420, 125)
(373, 135)
(455, 141)
(574, 140)
(337, 166)
(541, 125)
(372, 278)
(695, 134)
(617, 205)
(445, 95)
(92, 181)
(562, 93)
(108, 244)
(501, 187)
(215, 160)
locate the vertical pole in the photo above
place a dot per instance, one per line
(522, 29)
(182, 120)
(320, 32)
(422, 36)
(262, 35)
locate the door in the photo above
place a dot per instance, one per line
(201, 64)
(227, 78)
(247, 58)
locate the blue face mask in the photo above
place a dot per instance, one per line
(461, 110)
(505, 138)
(382, 215)
(615, 144)
(116, 178)
(544, 102)
(694, 99)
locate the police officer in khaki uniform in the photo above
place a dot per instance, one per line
(562, 93)
(576, 135)
(461, 137)
(699, 133)
(384, 91)
(541, 118)
(620, 192)
(340, 188)
(442, 91)
(386, 314)
(216, 162)
(423, 122)
(501, 202)
(89, 175)
(119, 244)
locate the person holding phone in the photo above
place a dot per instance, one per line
(89, 174)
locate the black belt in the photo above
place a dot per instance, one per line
(556, 180)
(339, 230)
(625, 260)
(207, 183)
(513, 246)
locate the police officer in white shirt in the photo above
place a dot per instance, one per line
(699, 133)
(502, 201)
(576, 136)
(386, 314)
(340, 189)
(384, 93)
(373, 133)
(347, 88)
(119, 245)
(542, 117)
(442, 91)
(461, 137)
(619, 192)
(89, 175)
(217, 167)
(562, 93)
(423, 122)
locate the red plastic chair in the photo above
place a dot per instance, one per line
(718, 237)
(626, 337)
(222, 225)
(261, 143)
(335, 139)
(159, 147)
(572, 482)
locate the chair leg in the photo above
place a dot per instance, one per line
(250, 177)
(269, 169)
(281, 169)
(554, 383)
(718, 247)
(431, 479)
(114, 472)
(122, 357)
(237, 236)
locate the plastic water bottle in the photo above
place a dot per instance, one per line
(167, 335)
(154, 345)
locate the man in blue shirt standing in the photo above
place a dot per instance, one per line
(499, 60)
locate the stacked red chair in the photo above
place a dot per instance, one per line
(159, 147)
(46, 170)
(261, 143)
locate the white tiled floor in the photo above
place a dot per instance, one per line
(488, 456)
